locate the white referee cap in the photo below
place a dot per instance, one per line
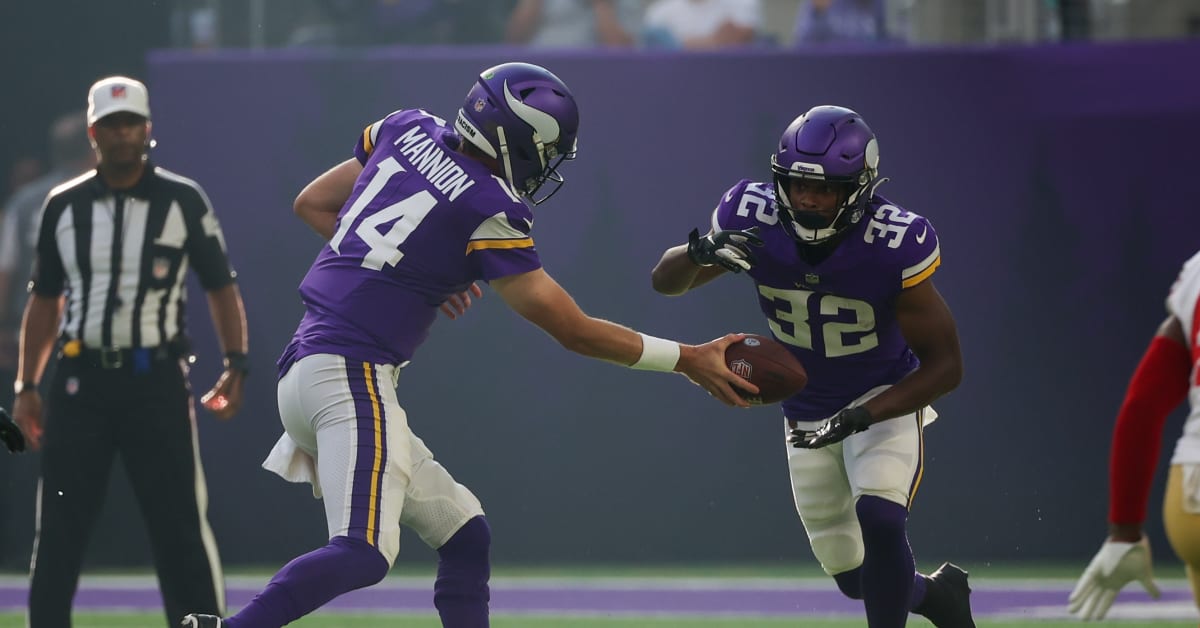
(115, 94)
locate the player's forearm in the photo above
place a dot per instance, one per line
(931, 380)
(319, 203)
(322, 222)
(1125, 532)
(229, 318)
(38, 328)
(675, 273)
(603, 340)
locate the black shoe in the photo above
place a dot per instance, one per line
(947, 598)
(201, 621)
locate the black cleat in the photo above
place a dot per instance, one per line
(948, 598)
(201, 621)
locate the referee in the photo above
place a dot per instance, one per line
(117, 242)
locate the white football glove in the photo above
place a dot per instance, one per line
(1114, 566)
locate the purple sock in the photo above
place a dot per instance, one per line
(311, 580)
(850, 584)
(920, 584)
(461, 590)
(888, 566)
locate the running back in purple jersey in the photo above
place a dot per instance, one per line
(422, 223)
(838, 317)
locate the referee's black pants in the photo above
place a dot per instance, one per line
(92, 415)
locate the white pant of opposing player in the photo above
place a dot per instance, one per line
(886, 461)
(373, 472)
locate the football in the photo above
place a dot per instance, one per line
(768, 365)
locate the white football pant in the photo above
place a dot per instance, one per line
(886, 461)
(374, 473)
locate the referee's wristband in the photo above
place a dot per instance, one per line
(237, 361)
(657, 355)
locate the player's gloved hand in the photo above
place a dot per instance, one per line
(730, 249)
(1114, 566)
(847, 422)
(10, 434)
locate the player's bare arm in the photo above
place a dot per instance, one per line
(38, 329)
(930, 330)
(1172, 329)
(542, 301)
(320, 201)
(703, 258)
(675, 273)
(229, 319)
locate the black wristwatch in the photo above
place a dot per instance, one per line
(21, 386)
(237, 361)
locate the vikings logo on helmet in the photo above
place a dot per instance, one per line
(523, 116)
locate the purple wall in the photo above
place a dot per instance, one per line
(1058, 179)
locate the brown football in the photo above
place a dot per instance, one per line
(768, 365)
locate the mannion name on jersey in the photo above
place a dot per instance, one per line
(433, 163)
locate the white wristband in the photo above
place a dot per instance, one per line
(657, 355)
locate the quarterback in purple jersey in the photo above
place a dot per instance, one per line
(422, 211)
(843, 276)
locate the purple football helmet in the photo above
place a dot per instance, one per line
(524, 117)
(830, 144)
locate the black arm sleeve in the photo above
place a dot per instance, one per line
(49, 276)
(205, 242)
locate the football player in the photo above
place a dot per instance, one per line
(1166, 375)
(421, 211)
(844, 277)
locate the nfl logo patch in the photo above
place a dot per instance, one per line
(479, 104)
(160, 268)
(117, 91)
(742, 368)
(72, 385)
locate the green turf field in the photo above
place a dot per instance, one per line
(154, 620)
(986, 575)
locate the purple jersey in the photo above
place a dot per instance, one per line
(423, 222)
(838, 317)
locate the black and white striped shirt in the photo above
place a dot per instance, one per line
(122, 256)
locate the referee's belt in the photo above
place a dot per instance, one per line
(117, 357)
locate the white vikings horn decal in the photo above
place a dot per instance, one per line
(543, 123)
